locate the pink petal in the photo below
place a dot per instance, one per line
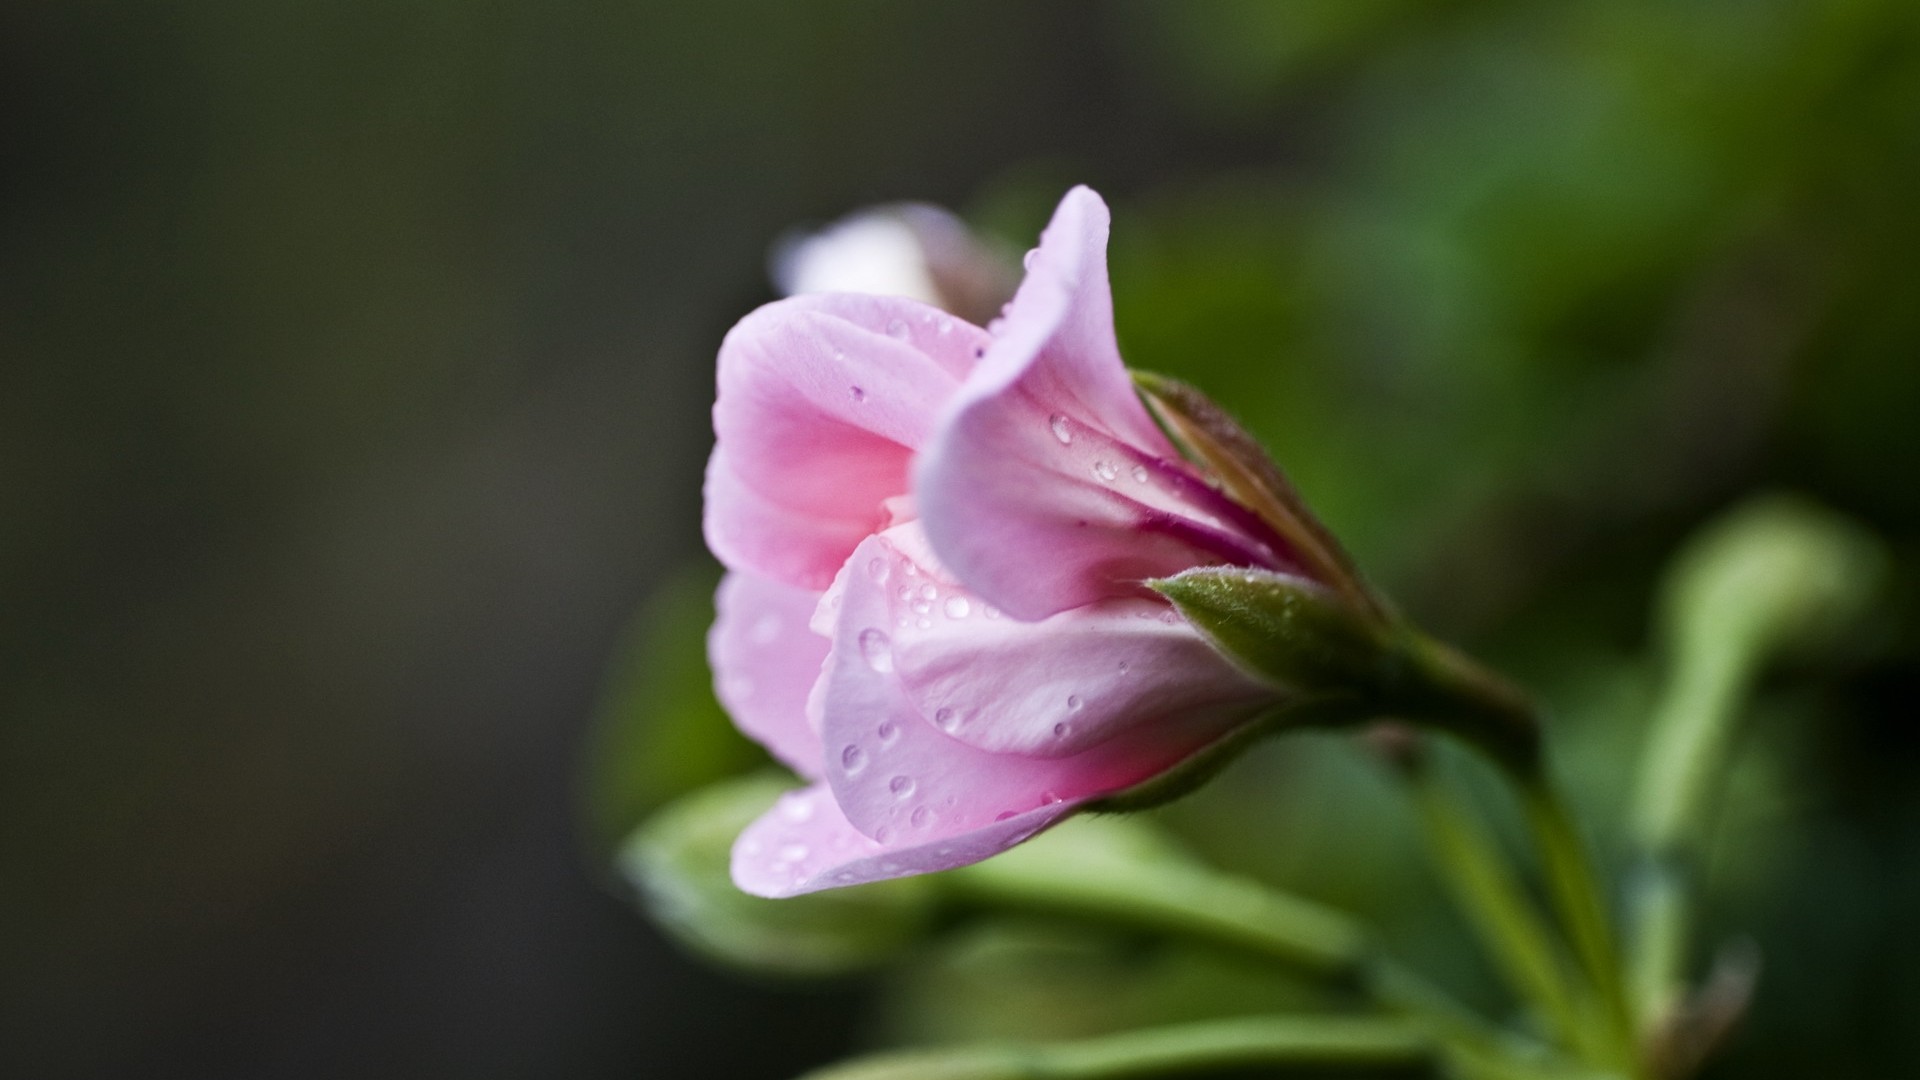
(765, 661)
(1048, 449)
(1048, 688)
(895, 773)
(822, 401)
(804, 844)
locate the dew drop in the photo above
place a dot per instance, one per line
(1048, 798)
(877, 647)
(1060, 730)
(911, 570)
(859, 395)
(1026, 261)
(921, 607)
(1073, 702)
(1058, 422)
(1125, 667)
(945, 325)
(957, 607)
(1105, 470)
(897, 330)
(793, 852)
(797, 809)
(924, 623)
(882, 834)
(928, 592)
(946, 718)
(887, 732)
(990, 611)
(920, 817)
(1005, 814)
(877, 569)
(905, 592)
(1140, 474)
(901, 786)
(853, 759)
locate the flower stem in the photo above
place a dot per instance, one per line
(1578, 898)
(1351, 1045)
(1497, 906)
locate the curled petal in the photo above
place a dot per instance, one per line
(822, 402)
(765, 661)
(1048, 688)
(805, 844)
(894, 771)
(1047, 448)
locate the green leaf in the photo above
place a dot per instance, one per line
(678, 861)
(658, 731)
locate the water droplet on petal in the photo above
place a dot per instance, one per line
(1048, 798)
(924, 623)
(1060, 730)
(882, 834)
(946, 718)
(1005, 814)
(1061, 430)
(921, 607)
(901, 786)
(1105, 470)
(945, 325)
(877, 569)
(1125, 667)
(920, 818)
(1073, 702)
(796, 808)
(877, 647)
(887, 732)
(897, 330)
(853, 759)
(957, 607)
(859, 395)
(928, 592)
(1140, 473)
(793, 852)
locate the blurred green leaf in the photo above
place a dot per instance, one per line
(679, 863)
(658, 732)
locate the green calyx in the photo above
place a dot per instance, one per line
(1347, 665)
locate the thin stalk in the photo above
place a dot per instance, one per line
(1579, 900)
(1309, 1044)
(1497, 907)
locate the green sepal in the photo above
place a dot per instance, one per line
(1232, 457)
(1343, 665)
(1287, 630)
(678, 864)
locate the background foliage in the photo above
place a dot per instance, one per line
(356, 360)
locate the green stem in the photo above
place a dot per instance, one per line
(1691, 732)
(1580, 902)
(1498, 908)
(1353, 1046)
(1200, 904)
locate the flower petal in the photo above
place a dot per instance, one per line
(822, 401)
(1048, 688)
(1048, 448)
(895, 772)
(805, 844)
(765, 661)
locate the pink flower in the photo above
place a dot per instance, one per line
(937, 537)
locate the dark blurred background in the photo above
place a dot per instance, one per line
(354, 370)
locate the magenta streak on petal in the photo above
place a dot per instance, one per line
(1277, 554)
